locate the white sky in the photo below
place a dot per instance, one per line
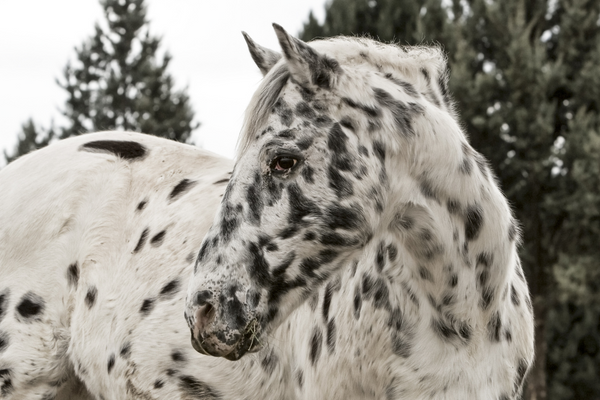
(38, 37)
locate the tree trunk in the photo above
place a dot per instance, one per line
(536, 388)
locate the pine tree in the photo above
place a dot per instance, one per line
(404, 21)
(30, 138)
(526, 80)
(528, 99)
(118, 81)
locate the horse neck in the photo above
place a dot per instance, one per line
(450, 221)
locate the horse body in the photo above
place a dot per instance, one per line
(361, 250)
(96, 248)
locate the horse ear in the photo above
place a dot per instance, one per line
(263, 57)
(306, 65)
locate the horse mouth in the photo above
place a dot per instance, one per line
(249, 342)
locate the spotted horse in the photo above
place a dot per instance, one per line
(359, 249)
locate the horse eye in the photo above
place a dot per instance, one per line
(283, 163)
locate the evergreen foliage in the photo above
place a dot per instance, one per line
(30, 138)
(118, 81)
(526, 81)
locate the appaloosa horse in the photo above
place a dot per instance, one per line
(361, 249)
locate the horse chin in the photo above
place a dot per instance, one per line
(248, 343)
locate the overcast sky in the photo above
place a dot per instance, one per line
(210, 57)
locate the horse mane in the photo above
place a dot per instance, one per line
(421, 65)
(261, 103)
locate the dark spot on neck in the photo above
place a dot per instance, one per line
(90, 297)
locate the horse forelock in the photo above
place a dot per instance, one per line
(260, 104)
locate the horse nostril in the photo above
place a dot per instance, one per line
(204, 316)
(202, 297)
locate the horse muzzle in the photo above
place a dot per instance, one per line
(221, 330)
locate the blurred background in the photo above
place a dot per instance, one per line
(525, 75)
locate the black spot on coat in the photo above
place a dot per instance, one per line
(73, 274)
(90, 297)
(183, 186)
(347, 123)
(336, 140)
(340, 217)
(514, 296)
(327, 302)
(158, 239)
(392, 251)
(30, 306)
(379, 150)
(147, 306)
(494, 327)
(487, 296)
(380, 257)
(284, 112)
(316, 342)
(303, 110)
(522, 368)
(254, 199)
(331, 336)
(170, 288)
(428, 190)
(5, 379)
(300, 205)
(196, 389)
(125, 149)
(111, 363)
(300, 377)
(141, 205)
(453, 206)
(408, 88)
(178, 356)
(466, 166)
(308, 173)
(230, 219)
(305, 142)
(357, 303)
(4, 302)
(425, 274)
(425, 74)
(453, 281)
(485, 259)
(400, 334)
(203, 250)
(473, 222)
(269, 362)
(401, 112)
(4, 341)
(141, 241)
(125, 350)
(232, 308)
(370, 111)
(258, 267)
